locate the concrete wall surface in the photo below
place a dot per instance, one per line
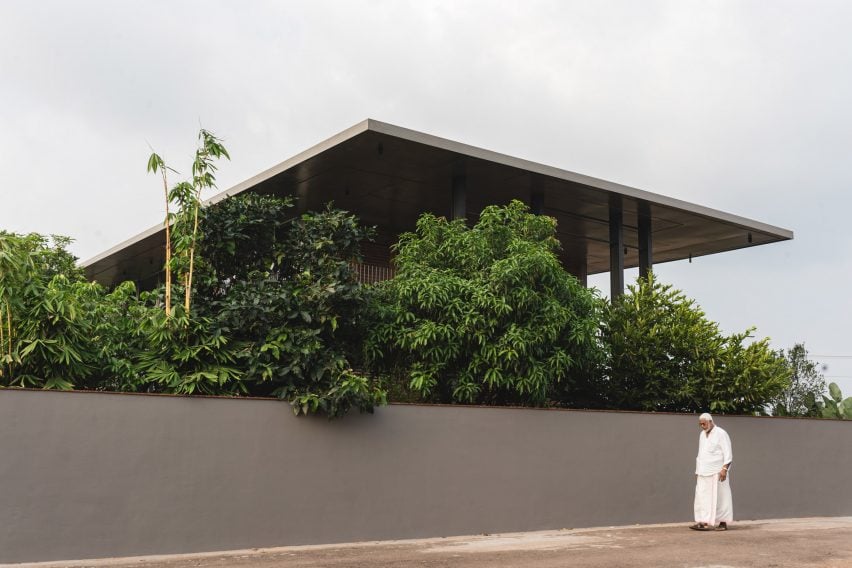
(86, 475)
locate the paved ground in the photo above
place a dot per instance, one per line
(820, 542)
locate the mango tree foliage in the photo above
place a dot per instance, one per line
(484, 315)
(283, 291)
(665, 355)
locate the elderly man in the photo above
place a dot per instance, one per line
(713, 505)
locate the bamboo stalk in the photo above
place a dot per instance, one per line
(9, 325)
(198, 182)
(156, 162)
(168, 249)
(9, 334)
(192, 251)
(2, 340)
(187, 282)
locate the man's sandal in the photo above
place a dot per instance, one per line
(700, 527)
(722, 527)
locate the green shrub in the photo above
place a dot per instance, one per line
(484, 315)
(283, 291)
(46, 334)
(831, 406)
(665, 355)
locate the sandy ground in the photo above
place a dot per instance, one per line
(816, 542)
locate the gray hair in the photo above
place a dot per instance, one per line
(706, 416)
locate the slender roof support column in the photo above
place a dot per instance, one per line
(576, 264)
(302, 198)
(536, 196)
(646, 248)
(616, 248)
(537, 203)
(459, 205)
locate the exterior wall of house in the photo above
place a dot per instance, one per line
(85, 475)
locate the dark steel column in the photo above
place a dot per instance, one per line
(616, 249)
(536, 195)
(459, 205)
(646, 249)
(537, 203)
(302, 198)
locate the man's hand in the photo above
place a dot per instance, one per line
(723, 474)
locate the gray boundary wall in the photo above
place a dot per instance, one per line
(86, 475)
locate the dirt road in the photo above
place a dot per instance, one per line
(820, 542)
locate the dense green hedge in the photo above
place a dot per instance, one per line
(479, 314)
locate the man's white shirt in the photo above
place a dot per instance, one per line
(714, 451)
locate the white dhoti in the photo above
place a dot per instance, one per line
(713, 501)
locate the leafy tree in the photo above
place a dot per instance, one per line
(281, 287)
(665, 355)
(279, 310)
(484, 315)
(749, 375)
(276, 298)
(184, 354)
(46, 331)
(806, 382)
(182, 226)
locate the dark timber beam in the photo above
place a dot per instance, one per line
(646, 248)
(616, 248)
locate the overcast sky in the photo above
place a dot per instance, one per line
(742, 106)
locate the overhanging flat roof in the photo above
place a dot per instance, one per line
(388, 175)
